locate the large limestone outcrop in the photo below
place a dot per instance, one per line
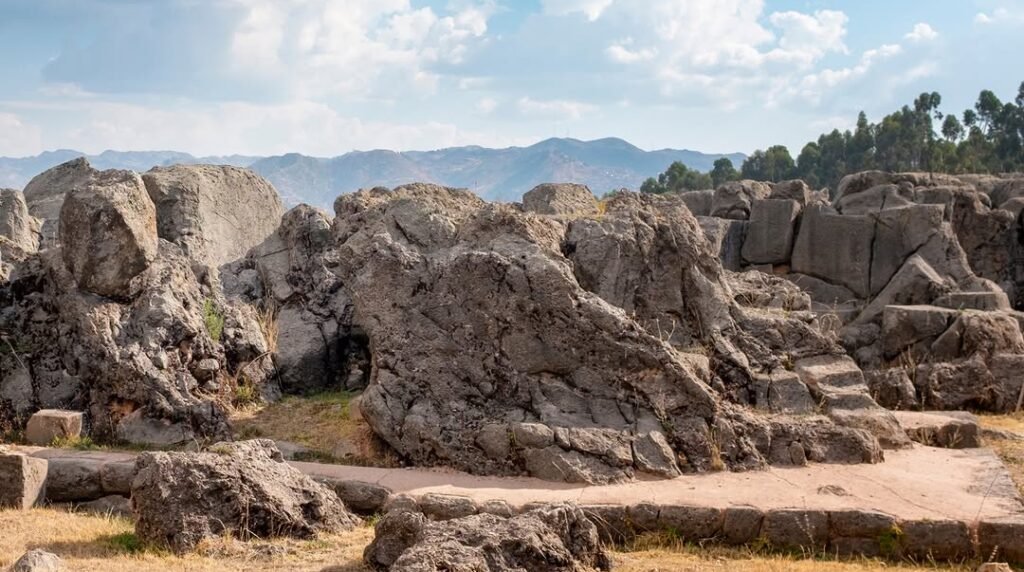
(45, 194)
(215, 213)
(556, 539)
(149, 364)
(505, 356)
(243, 489)
(108, 233)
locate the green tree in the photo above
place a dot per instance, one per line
(808, 164)
(723, 171)
(652, 187)
(952, 129)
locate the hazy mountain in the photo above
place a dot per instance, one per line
(496, 174)
(17, 172)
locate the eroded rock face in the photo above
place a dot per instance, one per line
(733, 200)
(108, 233)
(507, 355)
(318, 346)
(560, 199)
(45, 194)
(17, 226)
(557, 539)
(215, 213)
(243, 489)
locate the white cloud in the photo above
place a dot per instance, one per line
(486, 106)
(812, 86)
(324, 47)
(1000, 16)
(922, 32)
(18, 138)
(592, 9)
(559, 109)
(621, 53)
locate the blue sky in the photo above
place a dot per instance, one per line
(324, 77)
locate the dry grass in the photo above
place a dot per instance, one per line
(1011, 452)
(96, 544)
(685, 561)
(328, 424)
(90, 543)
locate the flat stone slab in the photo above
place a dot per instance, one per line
(917, 483)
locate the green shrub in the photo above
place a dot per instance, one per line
(214, 319)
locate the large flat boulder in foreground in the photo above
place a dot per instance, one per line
(243, 489)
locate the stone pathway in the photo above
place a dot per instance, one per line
(919, 483)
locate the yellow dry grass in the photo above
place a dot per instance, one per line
(98, 544)
(328, 424)
(1010, 451)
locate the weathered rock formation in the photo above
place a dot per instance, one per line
(243, 489)
(214, 213)
(19, 231)
(45, 194)
(549, 346)
(560, 199)
(555, 539)
(108, 233)
(116, 323)
(912, 265)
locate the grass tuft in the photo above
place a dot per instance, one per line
(213, 317)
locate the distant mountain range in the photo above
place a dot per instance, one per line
(495, 174)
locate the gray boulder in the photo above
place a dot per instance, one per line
(733, 199)
(18, 228)
(243, 489)
(556, 539)
(108, 233)
(38, 560)
(215, 213)
(560, 199)
(45, 194)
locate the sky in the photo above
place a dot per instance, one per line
(323, 77)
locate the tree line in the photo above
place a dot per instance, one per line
(989, 138)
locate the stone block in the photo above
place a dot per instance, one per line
(74, 480)
(116, 477)
(447, 507)
(835, 248)
(362, 497)
(741, 524)
(22, 480)
(692, 523)
(771, 231)
(938, 539)
(49, 424)
(948, 429)
(1002, 539)
(905, 326)
(796, 529)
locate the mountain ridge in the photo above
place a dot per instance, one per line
(496, 174)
